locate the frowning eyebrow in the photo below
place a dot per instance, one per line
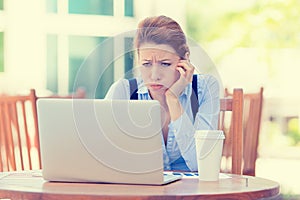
(163, 60)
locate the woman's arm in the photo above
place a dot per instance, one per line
(209, 103)
(186, 70)
(206, 118)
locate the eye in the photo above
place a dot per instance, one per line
(147, 64)
(165, 64)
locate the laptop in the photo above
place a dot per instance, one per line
(97, 140)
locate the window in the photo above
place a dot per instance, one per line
(91, 64)
(91, 7)
(70, 60)
(128, 57)
(129, 12)
(52, 79)
(1, 52)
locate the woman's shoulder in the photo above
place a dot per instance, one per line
(206, 78)
(118, 90)
(120, 83)
(208, 82)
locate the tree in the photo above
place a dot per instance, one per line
(259, 23)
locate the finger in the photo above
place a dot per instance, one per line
(187, 77)
(189, 71)
(181, 71)
(186, 65)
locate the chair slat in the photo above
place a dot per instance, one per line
(237, 132)
(19, 132)
(9, 148)
(252, 130)
(233, 144)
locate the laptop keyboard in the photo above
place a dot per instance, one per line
(183, 174)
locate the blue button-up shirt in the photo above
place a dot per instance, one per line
(179, 152)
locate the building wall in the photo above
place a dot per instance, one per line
(40, 38)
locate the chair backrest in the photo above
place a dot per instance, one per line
(253, 103)
(19, 139)
(233, 144)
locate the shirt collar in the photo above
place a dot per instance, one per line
(142, 89)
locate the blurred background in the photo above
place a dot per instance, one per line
(47, 45)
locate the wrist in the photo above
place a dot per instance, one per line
(171, 97)
(174, 106)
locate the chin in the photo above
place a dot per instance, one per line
(158, 92)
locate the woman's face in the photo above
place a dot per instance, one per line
(158, 63)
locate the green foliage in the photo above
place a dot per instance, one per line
(293, 130)
(263, 23)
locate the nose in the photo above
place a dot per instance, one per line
(155, 73)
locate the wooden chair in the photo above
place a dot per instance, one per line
(232, 108)
(253, 103)
(251, 128)
(19, 138)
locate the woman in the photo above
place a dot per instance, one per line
(166, 76)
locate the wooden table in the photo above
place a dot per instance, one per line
(30, 185)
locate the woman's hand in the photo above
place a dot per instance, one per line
(186, 70)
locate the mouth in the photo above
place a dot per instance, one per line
(156, 86)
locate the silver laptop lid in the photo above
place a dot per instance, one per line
(117, 141)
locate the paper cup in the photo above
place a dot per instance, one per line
(209, 147)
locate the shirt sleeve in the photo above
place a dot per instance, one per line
(183, 130)
(206, 118)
